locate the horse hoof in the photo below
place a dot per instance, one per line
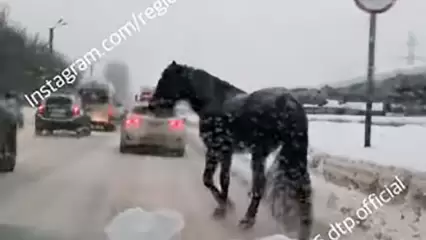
(230, 204)
(246, 223)
(219, 213)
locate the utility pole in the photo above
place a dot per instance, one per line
(59, 23)
(51, 33)
(411, 47)
(370, 79)
(91, 70)
(373, 8)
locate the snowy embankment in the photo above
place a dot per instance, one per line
(397, 146)
(338, 148)
(391, 146)
(344, 173)
(377, 120)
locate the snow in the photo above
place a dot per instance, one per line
(275, 237)
(192, 118)
(377, 106)
(396, 146)
(138, 224)
(395, 120)
(332, 103)
(399, 146)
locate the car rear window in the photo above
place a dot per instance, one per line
(58, 101)
(141, 110)
(92, 96)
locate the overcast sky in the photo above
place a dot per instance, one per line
(249, 43)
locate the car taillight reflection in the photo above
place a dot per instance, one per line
(176, 124)
(41, 109)
(132, 122)
(76, 111)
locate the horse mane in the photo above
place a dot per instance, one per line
(220, 86)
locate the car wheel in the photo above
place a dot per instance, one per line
(123, 148)
(110, 128)
(83, 132)
(38, 131)
(179, 152)
(88, 131)
(8, 152)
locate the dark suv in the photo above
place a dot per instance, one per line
(8, 137)
(62, 112)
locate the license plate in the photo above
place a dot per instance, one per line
(98, 120)
(55, 114)
(62, 111)
(152, 138)
(155, 124)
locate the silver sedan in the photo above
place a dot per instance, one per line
(143, 129)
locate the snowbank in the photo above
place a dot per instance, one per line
(401, 147)
(394, 151)
(377, 120)
(341, 184)
(138, 224)
(396, 146)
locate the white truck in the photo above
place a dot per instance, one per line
(145, 93)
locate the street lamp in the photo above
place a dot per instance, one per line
(59, 23)
(372, 7)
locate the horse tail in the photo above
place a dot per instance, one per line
(289, 186)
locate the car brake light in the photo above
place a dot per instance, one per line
(110, 110)
(132, 122)
(76, 111)
(176, 124)
(40, 109)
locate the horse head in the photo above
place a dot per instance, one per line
(175, 84)
(196, 86)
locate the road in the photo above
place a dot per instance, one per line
(68, 188)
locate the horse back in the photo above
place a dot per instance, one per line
(267, 115)
(271, 101)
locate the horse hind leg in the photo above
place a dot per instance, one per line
(258, 188)
(292, 164)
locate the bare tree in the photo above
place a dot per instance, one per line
(26, 61)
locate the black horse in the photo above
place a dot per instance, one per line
(232, 120)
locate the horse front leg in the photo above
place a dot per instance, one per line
(209, 171)
(258, 188)
(225, 171)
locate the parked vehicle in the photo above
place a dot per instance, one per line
(13, 102)
(144, 94)
(144, 129)
(62, 111)
(8, 138)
